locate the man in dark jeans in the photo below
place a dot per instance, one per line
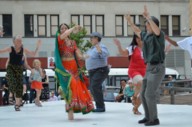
(97, 66)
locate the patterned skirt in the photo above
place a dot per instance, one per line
(15, 79)
(81, 100)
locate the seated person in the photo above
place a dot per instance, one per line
(45, 91)
(120, 96)
(5, 91)
(170, 84)
(170, 78)
(129, 91)
(53, 97)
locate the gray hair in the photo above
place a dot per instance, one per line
(17, 37)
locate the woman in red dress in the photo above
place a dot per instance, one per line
(76, 94)
(137, 68)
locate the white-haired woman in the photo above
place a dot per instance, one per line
(15, 67)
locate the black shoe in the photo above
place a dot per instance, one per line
(152, 123)
(144, 120)
(99, 110)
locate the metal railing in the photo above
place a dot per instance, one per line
(178, 85)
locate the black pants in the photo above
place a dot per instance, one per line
(32, 95)
(25, 97)
(6, 98)
(96, 77)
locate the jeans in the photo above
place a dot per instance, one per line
(96, 78)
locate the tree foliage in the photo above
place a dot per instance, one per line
(82, 44)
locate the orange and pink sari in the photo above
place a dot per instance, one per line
(76, 94)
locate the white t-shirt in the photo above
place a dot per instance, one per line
(186, 44)
(129, 48)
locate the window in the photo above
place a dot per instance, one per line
(41, 25)
(129, 30)
(29, 26)
(75, 19)
(142, 22)
(176, 25)
(164, 24)
(54, 24)
(7, 25)
(119, 25)
(99, 24)
(87, 23)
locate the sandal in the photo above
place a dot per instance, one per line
(17, 108)
(135, 111)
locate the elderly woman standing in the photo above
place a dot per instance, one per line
(15, 67)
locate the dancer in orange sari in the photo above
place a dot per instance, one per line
(76, 94)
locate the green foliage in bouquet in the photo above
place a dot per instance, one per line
(78, 37)
(82, 44)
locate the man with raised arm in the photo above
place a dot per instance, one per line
(153, 52)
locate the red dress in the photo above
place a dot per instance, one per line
(137, 65)
(81, 99)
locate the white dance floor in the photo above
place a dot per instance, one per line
(53, 114)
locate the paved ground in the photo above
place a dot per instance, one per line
(53, 114)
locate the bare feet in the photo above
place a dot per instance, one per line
(70, 115)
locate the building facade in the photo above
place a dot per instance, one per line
(35, 19)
